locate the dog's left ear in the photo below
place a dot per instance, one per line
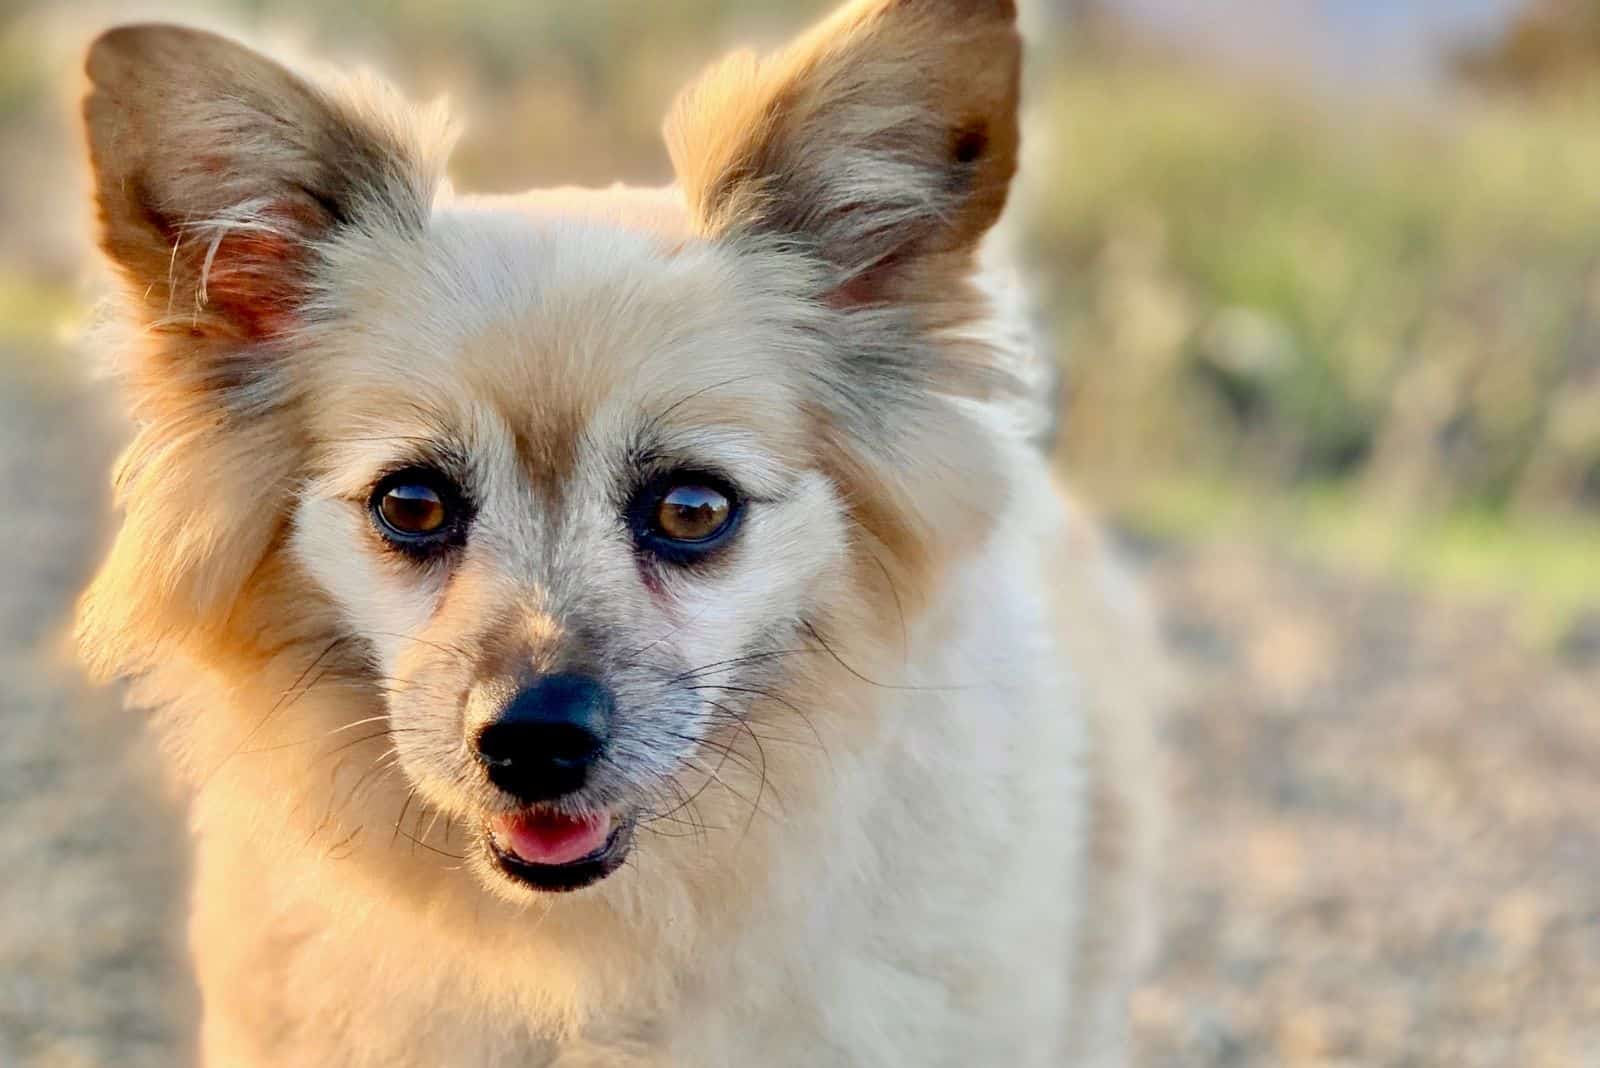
(884, 140)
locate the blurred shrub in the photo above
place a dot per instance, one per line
(1551, 42)
(1252, 286)
(551, 92)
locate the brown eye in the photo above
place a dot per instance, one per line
(418, 510)
(684, 516)
(413, 509)
(692, 513)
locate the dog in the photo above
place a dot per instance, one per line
(618, 627)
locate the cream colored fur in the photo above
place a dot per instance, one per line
(905, 815)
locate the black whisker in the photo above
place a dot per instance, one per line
(873, 682)
(277, 706)
(411, 793)
(415, 841)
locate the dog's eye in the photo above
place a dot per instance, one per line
(685, 516)
(412, 509)
(416, 509)
(692, 513)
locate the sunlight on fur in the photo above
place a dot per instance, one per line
(626, 626)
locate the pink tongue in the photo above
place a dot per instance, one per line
(551, 838)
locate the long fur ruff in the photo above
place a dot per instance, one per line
(889, 753)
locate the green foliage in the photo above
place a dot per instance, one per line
(552, 92)
(1545, 567)
(1248, 284)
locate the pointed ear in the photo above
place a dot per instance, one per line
(217, 171)
(221, 179)
(884, 139)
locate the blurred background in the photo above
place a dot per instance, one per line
(1324, 281)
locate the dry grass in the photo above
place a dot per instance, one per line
(1287, 291)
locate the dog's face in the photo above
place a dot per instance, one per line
(570, 517)
(575, 491)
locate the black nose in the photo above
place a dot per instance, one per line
(548, 736)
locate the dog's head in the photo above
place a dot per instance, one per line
(582, 506)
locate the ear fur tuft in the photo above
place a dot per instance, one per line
(884, 138)
(219, 177)
(217, 170)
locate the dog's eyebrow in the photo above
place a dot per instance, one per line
(422, 439)
(441, 453)
(651, 458)
(444, 455)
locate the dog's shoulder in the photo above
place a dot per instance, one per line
(1109, 633)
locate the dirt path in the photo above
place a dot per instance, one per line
(1388, 831)
(91, 866)
(1386, 847)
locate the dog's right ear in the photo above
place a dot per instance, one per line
(884, 140)
(217, 172)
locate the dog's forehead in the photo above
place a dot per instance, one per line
(658, 212)
(558, 324)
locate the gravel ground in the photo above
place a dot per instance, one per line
(1385, 845)
(1386, 841)
(91, 894)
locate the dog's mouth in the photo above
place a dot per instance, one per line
(550, 850)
